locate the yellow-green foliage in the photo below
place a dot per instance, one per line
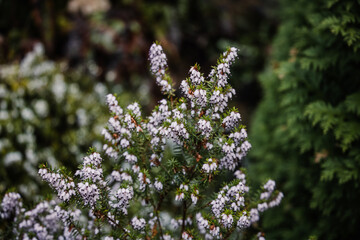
(307, 128)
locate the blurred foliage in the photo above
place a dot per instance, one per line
(116, 37)
(307, 128)
(47, 114)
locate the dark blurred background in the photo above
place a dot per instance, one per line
(116, 36)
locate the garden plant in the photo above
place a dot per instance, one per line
(167, 171)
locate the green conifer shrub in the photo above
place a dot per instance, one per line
(306, 130)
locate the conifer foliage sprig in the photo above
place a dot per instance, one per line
(151, 194)
(309, 120)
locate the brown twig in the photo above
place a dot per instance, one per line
(183, 218)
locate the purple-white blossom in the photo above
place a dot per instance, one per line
(10, 205)
(244, 221)
(64, 187)
(90, 193)
(158, 65)
(138, 223)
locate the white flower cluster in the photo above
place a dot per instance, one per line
(121, 129)
(245, 147)
(219, 100)
(229, 198)
(113, 105)
(47, 227)
(131, 116)
(269, 188)
(138, 223)
(244, 221)
(210, 231)
(199, 98)
(185, 89)
(203, 224)
(109, 151)
(143, 181)
(158, 117)
(158, 185)
(132, 159)
(227, 220)
(233, 153)
(194, 196)
(254, 215)
(204, 127)
(262, 206)
(176, 223)
(90, 193)
(238, 136)
(67, 216)
(181, 192)
(91, 169)
(176, 132)
(45, 221)
(121, 199)
(231, 121)
(27, 67)
(223, 69)
(121, 177)
(91, 175)
(192, 89)
(158, 64)
(153, 126)
(11, 205)
(64, 187)
(218, 205)
(135, 109)
(277, 200)
(210, 166)
(196, 77)
(240, 175)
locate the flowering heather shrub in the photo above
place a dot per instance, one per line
(166, 168)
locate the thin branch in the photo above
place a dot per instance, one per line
(183, 217)
(101, 215)
(156, 210)
(157, 215)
